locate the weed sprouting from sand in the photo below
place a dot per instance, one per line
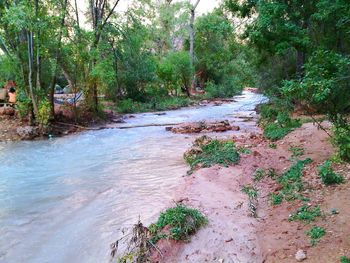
(252, 194)
(344, 259)
(183, 222)
(328, 176)
(178, 223)
(306, 214)
(296, 151)
(276, 199)
(211, 152)
(291, 182)
(315, 233)
(259, 174)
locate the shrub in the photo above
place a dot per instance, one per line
(44, 113)
(276, 121)
(183, 223)
(214, 152)
(342, 141)
(328, 176)
(315, 233)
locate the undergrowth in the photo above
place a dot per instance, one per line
(276, 122)
(156, 104)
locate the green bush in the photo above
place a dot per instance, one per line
(183, 223)
(219, 90)
(328, 176)
(215, 152)
(342, 141)
(276, 121)
(44, 113)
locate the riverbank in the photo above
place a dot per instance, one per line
(12, 128)
(234, 235)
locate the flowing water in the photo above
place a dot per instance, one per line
(67, 199)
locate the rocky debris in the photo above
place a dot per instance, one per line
(300, 255)
(198, 127)
(27, 132)
(7, 111)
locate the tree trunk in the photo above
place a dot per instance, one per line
(300, 61)
(30, 74)
(191, 29)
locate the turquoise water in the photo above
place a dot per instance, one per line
(67, 199)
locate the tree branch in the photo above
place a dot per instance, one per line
(110, 13)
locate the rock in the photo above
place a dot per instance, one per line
(27, 132)
(197, 127)
(300, 255)
(7, 111)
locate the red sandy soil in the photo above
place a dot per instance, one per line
(233, 235)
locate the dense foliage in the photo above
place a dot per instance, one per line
(136, 57)
(302, 55)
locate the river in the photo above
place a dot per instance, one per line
(67, 199)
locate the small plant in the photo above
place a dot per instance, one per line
(296, 151)
(183, 222)
(213, 152)
(306, 214)
(251, 191)
(344, 259)
(252, 194)
(244, 150)
(259, 174)
(271, 172)
(328, 176)
(273, 145)
(315, 233)
(276, 199)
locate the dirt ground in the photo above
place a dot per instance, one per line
(233, 235)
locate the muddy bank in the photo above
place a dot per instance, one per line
(234, 235)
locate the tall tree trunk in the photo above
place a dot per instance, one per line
(30, 74)
(191, 29)
(57, 58)
(300, 61)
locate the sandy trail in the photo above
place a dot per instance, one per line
(230, 235)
